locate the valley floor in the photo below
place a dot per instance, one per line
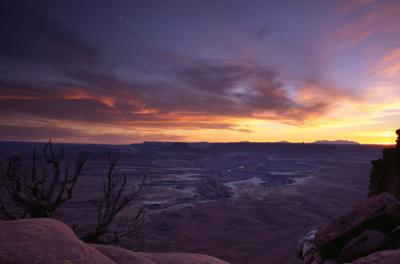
(261, 226)
(243, 203)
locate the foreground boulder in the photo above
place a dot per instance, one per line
(121, 255)
(48, 241)
(382, 257)
(371, 226)
(44, 241)
(370, 232)
(368, 242)
(124, 256)
(306, 248)
(381, 212)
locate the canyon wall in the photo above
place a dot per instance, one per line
(385, 174)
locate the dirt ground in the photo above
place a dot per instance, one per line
(261, 226)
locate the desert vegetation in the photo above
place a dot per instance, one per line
(113, 200)
(36, 185)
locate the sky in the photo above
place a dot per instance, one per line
(126, 71)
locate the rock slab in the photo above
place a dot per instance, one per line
(48, 241)
(38, 241)
(368, 242)
(382, 257)
(381, 212)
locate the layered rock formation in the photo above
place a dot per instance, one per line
(48, 241)
(372, 225)
(370, 232)
(385, 174)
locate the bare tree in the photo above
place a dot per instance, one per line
(36, 192)
(111, 226)
(39, 185)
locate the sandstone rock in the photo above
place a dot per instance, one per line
(40, 241)
(382, 257)
(182, 258)
(368, 242)
(124, 256)
(385, 174)
(307, 250)
(381, 212)
(306, 244)
(48, 241)
(313, 258)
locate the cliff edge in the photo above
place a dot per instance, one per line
(385, 174)
(368, 233)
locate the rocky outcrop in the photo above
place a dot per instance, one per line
(124, 256)
(48, 241)
(306, 248)
(382, 257)
(44, 241)
(213, 190)
(381, 212)
(368, 242)
(385, 173)
(121, 255)
(370, 226)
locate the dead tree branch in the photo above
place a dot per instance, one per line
(40, 193)
(111, 227)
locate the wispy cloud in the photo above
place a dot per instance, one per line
(389, 66)
(55, 81)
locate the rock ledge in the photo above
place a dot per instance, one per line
(48, 241)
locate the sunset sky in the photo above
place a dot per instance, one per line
(199, 70)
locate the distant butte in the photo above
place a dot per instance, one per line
(336, 142)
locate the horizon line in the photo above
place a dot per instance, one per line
(317, 142)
